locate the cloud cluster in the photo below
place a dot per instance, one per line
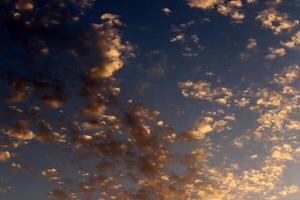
(292, 43)
(275, 128)
(230, 8)
(276, 21)
(203, 4)
(275, 53)
(204, 91)
(190, 42)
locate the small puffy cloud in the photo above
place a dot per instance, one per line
(269, 98)
(21, 134)
(242, 102)
(166, 11)
(274, 2)
(92, 124)
(111, 19)
(277, 22)
(19, 91)
(52, 175)
(4, 190)
(24, 5)
(250, 49)
(293, 125)
(283, 152)
(190, 43)
(94, 108)
(287, 190)
(111, 46)
(274, 53)
(15, 167)
(230, 8)
(204, 91)
(287, 76)
(52, 101)
(240, 141)
(202, 127)
(203, 4)
(252, 43)
(50, 172)
(4, 156)
(211, 122)
(294, 42)
(178, 38)
(251, 1)
(60, 194)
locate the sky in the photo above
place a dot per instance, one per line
(149, 100)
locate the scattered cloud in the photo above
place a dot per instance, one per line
(166, 11)
(112, 54)
(190, 42)
(204, 91)
(4, 156)
(178, 38)
(294, 42)
(274, 53)
(116, 149)
(230, 8)
(251, 48)
(276, 21)
(203, 4)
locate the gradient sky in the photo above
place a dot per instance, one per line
(149, 100)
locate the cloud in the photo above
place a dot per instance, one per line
(252, 43)
(203, 90)
(251, 1)
(274, 53)
(61, 195)
(4, 156)
(287, 76)
(24, 5)
(203, 4)
(289, 190)
(52, 175)
(190, 43)
(202, 127)
(294, 42)
(277, 22)
(250, 49)
(20, 91)
(178, 38)
(230, 8)
(4, 189)
(283, 152)
(21, 134)
(52, 101)
(166, 11)
(112, 46)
